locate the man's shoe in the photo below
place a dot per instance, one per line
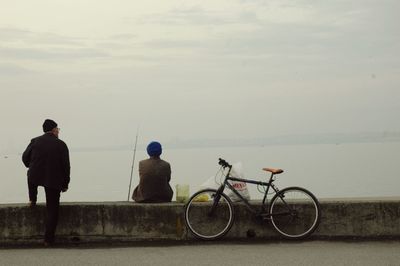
(32, 203)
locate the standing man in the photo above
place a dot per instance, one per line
(47, 158)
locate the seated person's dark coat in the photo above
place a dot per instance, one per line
(155, 175)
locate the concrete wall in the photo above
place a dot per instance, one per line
(125, 221)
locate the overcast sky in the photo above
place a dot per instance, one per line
(197, 69)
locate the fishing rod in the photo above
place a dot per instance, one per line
(133, 163)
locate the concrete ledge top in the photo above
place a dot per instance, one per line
(174, 203)
(360, 199)
(100, 203)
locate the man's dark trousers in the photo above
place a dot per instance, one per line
(52, 206)
(33, 191)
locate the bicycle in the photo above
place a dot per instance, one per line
(294, 212)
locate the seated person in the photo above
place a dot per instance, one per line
(155, 175)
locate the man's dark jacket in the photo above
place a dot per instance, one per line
(155, 175)
(48, 160)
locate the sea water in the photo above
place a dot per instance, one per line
(328, 170)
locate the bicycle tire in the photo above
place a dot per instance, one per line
(295, 212)
(203, 224)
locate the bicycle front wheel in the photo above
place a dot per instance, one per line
(209, 215)
(295, 212)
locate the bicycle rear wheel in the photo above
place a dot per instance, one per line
(295, 212)
(209, 215)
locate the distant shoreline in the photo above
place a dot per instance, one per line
(311, 139)
(199, 144)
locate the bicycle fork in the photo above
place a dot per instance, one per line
(217, 197)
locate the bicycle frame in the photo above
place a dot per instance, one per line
(268, 184)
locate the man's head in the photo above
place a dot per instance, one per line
(49, 126)
(154, 149)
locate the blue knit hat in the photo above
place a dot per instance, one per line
(154, 149)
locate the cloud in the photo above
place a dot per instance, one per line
(12, 35)
(7, 70)
(175, 44)
(196, 15)
(20, 44)
(123, 36)
(49, 54)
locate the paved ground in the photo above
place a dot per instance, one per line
(221, 253)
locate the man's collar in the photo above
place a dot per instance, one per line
(49, 134)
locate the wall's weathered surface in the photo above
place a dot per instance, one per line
(125, 221)
(378, 218)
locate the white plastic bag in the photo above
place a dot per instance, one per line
(240, 187)
(210, 183)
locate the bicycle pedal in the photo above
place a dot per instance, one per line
(264, 216)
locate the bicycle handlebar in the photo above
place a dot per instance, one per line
(224, 163)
